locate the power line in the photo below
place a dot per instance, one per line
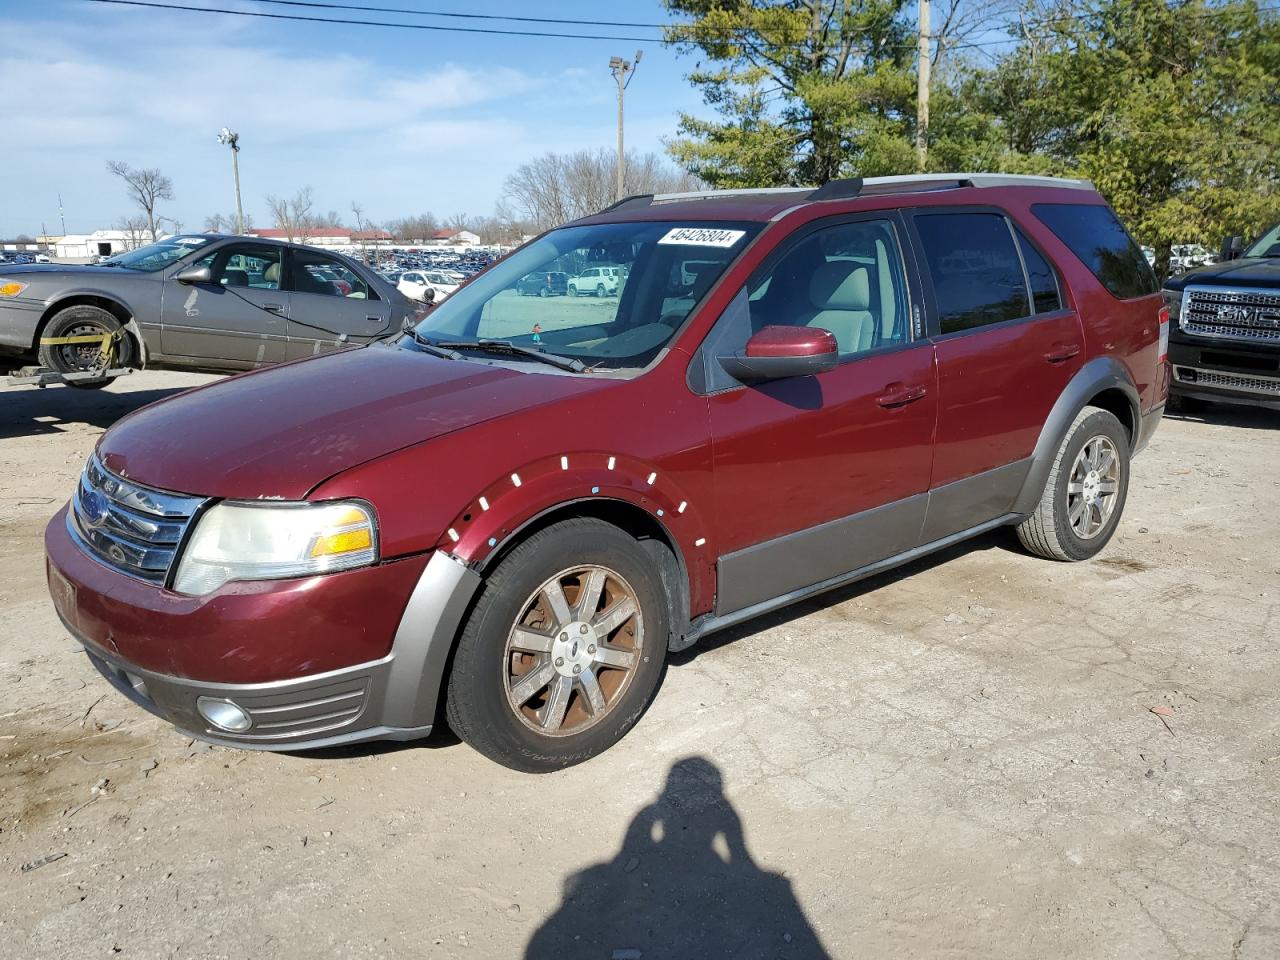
(373, 23)
(464, 16)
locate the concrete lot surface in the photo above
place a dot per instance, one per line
(957, 760)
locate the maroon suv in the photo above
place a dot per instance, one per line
(513, 512)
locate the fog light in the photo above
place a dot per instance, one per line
(224, 714)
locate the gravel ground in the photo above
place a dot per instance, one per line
(960, 759)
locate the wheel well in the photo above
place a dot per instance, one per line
(1117, 403)
(652, 536)
(113, 307)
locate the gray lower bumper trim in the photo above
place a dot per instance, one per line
(393, 698)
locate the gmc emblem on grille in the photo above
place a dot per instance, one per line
(1234, 313)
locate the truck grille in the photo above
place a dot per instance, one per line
(135, 529)
(1233, 313)
(1266, 386)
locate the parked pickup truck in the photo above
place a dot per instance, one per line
(1224, 342)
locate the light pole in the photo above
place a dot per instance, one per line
(622, 71)
(233, 141)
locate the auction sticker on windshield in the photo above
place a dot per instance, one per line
(703, 237)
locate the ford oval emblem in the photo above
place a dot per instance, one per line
(93, 508)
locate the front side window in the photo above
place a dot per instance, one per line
(316, 273)
(245, 265)
(1099, 239)
(525, 298)
(975, 269)
(846, 278)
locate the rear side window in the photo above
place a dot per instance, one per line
(1093, 234)
(1044, 282)
(975, 268)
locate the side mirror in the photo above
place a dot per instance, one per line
(777, 352)
(1231, 248)
(195, 275)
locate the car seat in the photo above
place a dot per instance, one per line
(841, 295)
(234, 277)
(271, 275)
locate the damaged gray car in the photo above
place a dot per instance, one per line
(195, 302)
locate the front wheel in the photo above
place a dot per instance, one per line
(544, 292)
(563, 651)
(599, 289)
(84, 320)
(573, 291)
(1085, 493)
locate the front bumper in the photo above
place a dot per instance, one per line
(306, 670)
(1226, 372)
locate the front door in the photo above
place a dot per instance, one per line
(332, 306)
(238, 318)
(1006, 347)
(819, 476)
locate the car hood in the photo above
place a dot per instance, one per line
(1254, 272)
(278, 433)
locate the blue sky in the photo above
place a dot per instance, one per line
(399, 121)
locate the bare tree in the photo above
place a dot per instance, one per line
(134, 230)
(557, 187)
(214, 223)
(146, 187)
(293, 215)
(414, 229)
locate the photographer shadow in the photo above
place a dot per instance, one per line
(683, 885)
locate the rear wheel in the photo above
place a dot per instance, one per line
(84, 320)
(563, 651)
(544, 292)
(1085, 493)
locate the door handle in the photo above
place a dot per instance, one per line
(273, 307)
(896, 395)
(1062, 352)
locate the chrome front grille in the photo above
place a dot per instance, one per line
(1233, 313)
(135, 529)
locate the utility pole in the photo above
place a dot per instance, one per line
(622, 71)
(922, 90)
(233, 141)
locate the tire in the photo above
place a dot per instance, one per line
(487, 676)
(572, 291)
(544, 292)
(83, 319)
(1051, 531)
(600, 290)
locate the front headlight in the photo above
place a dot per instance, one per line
(1173, 300)
(265, 541)
(11, 288)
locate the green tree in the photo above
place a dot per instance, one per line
(1172, 110)
(805, 90)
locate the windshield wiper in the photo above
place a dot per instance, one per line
(434, 349)
(506, 346)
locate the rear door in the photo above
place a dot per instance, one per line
(818, 476)
(240, 317)
(331, 305)
(1006, 345)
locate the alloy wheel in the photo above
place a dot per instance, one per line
(1093, 487)
(573, 650)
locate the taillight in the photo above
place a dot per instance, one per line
(1162, 353)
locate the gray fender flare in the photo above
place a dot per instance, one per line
(424, 639)
(131, 328)
(1099, 374)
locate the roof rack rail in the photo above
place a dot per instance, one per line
(635, 200)
(838, 189)
(733, 192)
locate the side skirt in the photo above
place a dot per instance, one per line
(710, 623)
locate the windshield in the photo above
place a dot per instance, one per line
(622, 317)
(157, 256)
(1267, 245)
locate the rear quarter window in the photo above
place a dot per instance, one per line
(1097, 237)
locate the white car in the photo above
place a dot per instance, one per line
(444, 281)
(416, 283)
(596, 281)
